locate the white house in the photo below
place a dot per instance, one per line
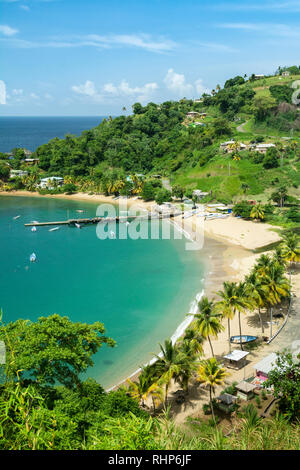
(262, 148)
(50, 182)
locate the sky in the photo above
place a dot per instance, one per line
(96, 57)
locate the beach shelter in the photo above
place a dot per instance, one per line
(263, 367)
(245, 390)
(236, 359)
(226, 402)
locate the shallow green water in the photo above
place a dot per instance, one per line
(140, 289)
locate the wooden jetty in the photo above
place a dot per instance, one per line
(93, 220)
(96, 220)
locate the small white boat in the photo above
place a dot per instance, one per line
(77, 225)
(79, 210)
(53, 229)
(17, 216)
(32, 257)
(33, 229)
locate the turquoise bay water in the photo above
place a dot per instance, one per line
(140, 289)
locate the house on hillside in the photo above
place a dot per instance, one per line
(199, 194)
(192, 114)
(31, 161)
(259, 76)
(286, 73)
(227, 147)
(262, 148)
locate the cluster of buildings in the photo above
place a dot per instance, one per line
(231, 146)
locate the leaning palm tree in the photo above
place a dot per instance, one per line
(211, 374)
(230, 303)
(207, 321)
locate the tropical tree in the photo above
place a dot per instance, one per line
(291, 248)
(257, 212)
(230, 303)
(145, 386)
(207, 321)
(211, 373)
(245, 302)
(257, 293)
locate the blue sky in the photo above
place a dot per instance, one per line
(92, 57)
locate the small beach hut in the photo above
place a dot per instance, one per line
(226, 402)
(236, 359)
(245, 390)
(263, 367)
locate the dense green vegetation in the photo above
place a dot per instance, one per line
(45, 403)
(124, 154)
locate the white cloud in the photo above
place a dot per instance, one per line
(142, 93)
(141, 41)
(177, 84)
(17, 92)
(2, 92)
(110, 90)
(200, 88)
(24, 7)
(7, 30)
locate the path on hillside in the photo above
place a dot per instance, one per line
(166, 184)
(240, 128)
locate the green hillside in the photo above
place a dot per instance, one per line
(165, 140)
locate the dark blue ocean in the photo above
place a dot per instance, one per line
(31, 132)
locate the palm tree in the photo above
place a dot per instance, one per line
(167, 365)
(245, 302)
(230, 303)
(192, 342)
(291, 248)
(257, 212)
(211, 374)
(276, 284)
(140, 389)
(258, 293)
(208, 320)
(263, 265)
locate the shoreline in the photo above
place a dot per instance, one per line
(228, 254)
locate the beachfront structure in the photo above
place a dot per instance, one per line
(236, 359)
(50, 182)
(227, 147)
(18, 173)
(264, 367)
(262, 148)
(245, 390)
(226, 402)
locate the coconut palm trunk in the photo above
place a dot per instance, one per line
(240, 332)
(212, 351)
